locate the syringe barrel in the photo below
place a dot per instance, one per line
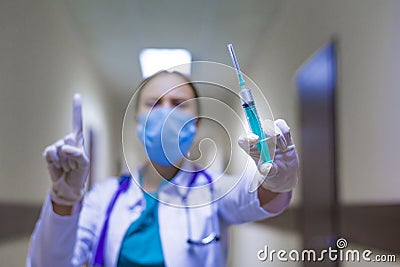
(246, 97)
(255, 124)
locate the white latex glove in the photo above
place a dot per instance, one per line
(282, 174)
(68, 163)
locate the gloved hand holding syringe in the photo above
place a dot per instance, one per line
(250, 110)
(280, 172)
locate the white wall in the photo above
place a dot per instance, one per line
(13, 253)
(368, 93)
(42, 64)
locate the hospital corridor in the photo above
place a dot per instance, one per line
(200, 133)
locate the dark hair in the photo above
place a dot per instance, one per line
(188, 82)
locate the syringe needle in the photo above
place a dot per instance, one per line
(236, 65)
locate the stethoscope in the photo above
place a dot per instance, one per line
(123, 186)
(213, 236)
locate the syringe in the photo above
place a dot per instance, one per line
(250, 110)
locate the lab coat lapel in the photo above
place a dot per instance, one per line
(126, 210)
(173, 222)
(173, 230)
(173, 191)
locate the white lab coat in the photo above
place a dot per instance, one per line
(71, 240)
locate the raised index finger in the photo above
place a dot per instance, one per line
(77, 127)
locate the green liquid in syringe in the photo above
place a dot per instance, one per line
(255, 125)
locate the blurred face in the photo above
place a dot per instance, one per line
(166, 135)
(167, 90)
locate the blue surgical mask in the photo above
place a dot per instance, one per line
(166, 134)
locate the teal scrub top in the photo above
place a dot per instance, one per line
(141, 246)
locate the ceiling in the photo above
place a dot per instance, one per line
(116, 31)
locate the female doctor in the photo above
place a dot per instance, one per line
(154, 217)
